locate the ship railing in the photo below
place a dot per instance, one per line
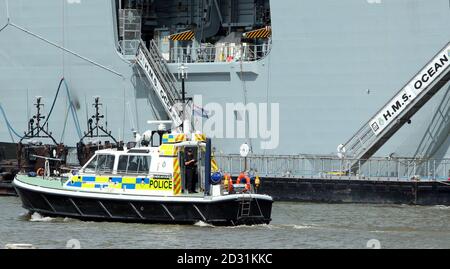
(306, 166)
(220, 53)
(129, 48)
(437, 130)
(130, 26)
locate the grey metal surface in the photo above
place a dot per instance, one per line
(331, 66)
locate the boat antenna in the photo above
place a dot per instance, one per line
(35, 128)
(95, 129)
(183, 75)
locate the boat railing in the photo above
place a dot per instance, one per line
(219, 53)
(307, 166)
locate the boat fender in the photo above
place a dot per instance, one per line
(216, 178)
(40, 172)
(226, 182)
(257, 182)
(229, 181)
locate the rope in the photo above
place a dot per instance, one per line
(63, 39)
(65, 124)
(54, 102)
(71, 107)
(66, 50)
(6, 25)
(73, 110)
(10, 128)
(7, 16)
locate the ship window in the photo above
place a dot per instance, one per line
(134, 164)
(91, 166)
(105, 164)
(100, 164)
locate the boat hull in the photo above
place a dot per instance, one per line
(223, 212)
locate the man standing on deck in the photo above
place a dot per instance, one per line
(191, 171)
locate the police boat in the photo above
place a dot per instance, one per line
(147, 183)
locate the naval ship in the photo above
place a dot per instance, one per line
(335, 69)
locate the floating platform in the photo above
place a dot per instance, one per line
(335, 190)
(7, 189)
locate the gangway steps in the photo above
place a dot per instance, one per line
(162, 80)
(400, 109)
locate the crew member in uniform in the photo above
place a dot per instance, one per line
(191, 171)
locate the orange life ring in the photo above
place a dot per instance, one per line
(40, 172)
(247, 181)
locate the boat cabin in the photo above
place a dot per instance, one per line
(149, 170)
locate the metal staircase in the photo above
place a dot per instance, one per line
(163, 82)
(399, 110)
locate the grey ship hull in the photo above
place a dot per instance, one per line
(332, 66)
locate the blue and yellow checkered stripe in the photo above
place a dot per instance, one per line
(128, 183)
(173, 138)
(168, 150)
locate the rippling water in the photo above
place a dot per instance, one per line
(294, 225)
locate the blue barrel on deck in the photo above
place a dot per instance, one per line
(216, 178)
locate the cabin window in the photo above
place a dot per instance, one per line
(103, 164)
(134, 164)
(91, 166)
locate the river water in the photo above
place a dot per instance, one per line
(294, 225)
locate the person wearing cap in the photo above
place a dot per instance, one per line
(191, 171)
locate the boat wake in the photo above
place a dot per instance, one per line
(25, 216)
(296, 226)
(36, 217)
(442, 207)
(203, 224)
(301, 227)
